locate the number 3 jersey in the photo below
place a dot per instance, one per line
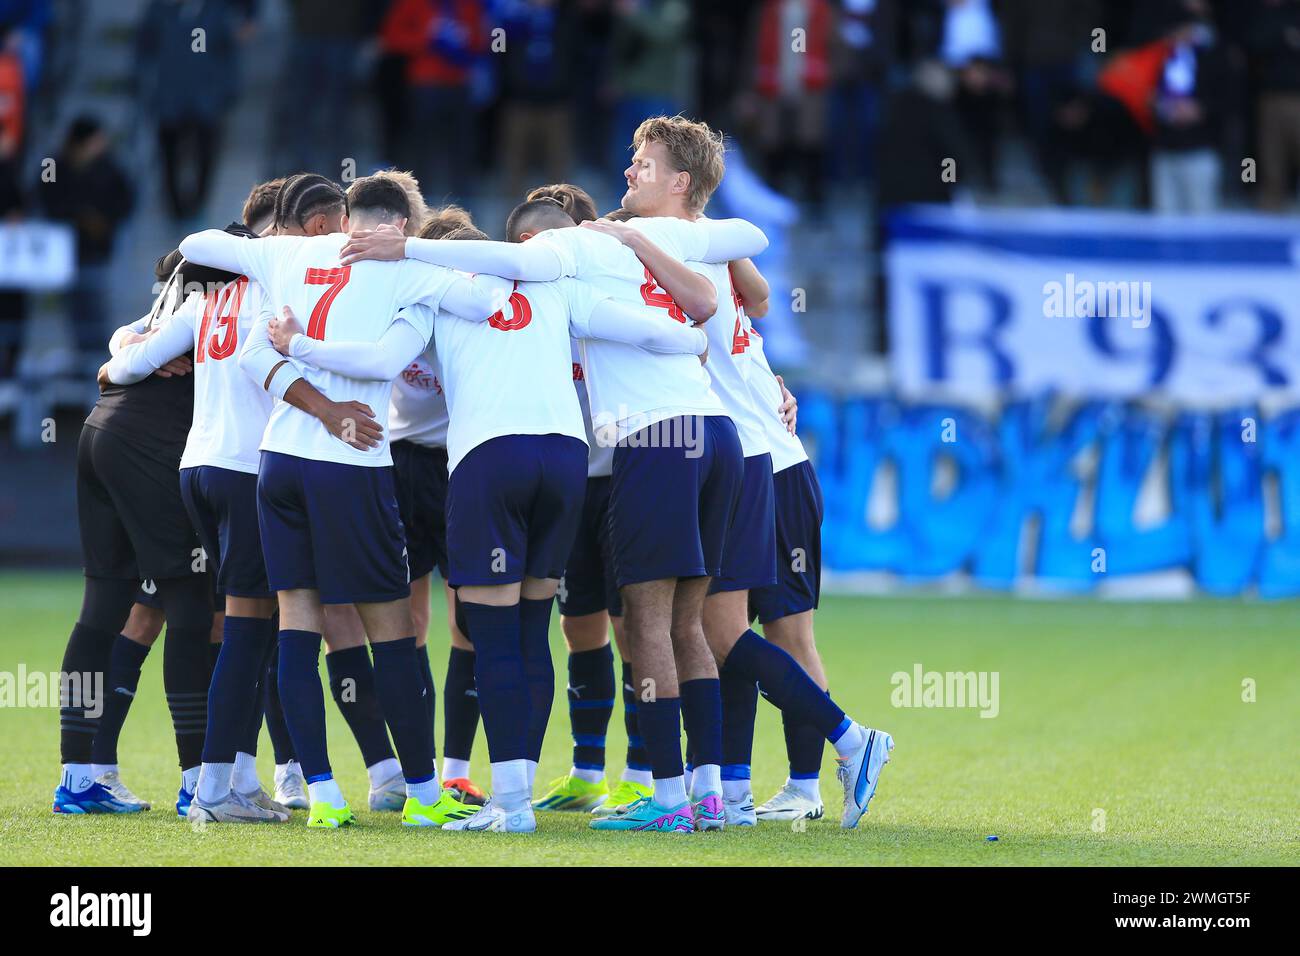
(513, 374)
(355, 303)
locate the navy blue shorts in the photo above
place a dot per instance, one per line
(798, 587)
(673, 497)
(222, 505)
(588, 585)
(420, 474)
(513, 507)
(749, 556)
(331, 527)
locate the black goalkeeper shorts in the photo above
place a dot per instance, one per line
(133, 522)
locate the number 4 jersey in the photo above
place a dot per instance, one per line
(630, 388)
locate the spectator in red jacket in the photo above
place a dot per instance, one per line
(441, 40)
(792, 75)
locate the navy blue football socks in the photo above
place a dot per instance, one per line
(539, 668)
(400, 688)
(232, 695)
(702, 719)
(591, 704)
(125, 662)
(303, 701)
(637, 758)
(276, 728)
(786, 684)
(660, 722)
(503, 697)
(459, 705)
(739, 711)
(352, 684)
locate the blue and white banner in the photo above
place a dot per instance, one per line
(39, 256)
(1056, 496)
(1201, 311)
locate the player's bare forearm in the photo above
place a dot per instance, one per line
(690, 290)
(752, 288)
(350, 422)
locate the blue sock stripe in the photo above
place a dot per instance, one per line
(839, 731)
(804, 776)
(421, 779)
(641, 767)
(318, 777)
(735, 771)
(590, 704)
(589, 766)
(589, 740)
(635, 741)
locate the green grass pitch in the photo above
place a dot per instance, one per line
(1127, 715)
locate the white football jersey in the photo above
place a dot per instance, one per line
(418, 411)
(513, 374)
(629, 387)
(354, 303)
(787, 449)
(600, 455)
(729, 360)
(230, 409)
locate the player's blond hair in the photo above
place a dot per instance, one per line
(693, 147)
(443, 220)
(574, 200)
(411, 186)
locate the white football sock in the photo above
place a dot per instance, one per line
(99, 769)
(190, 779)
(510, 788)
(383, 771)
(687, 778)
(327, 791)
(734, 791)
(245, 776)
(705, 779)
(670, 791)
(77, 777)
(214, 781)
(585, 773)
(427, 792)
(643, 777)
(531, 766)
(849, 741)
(809, 788)
(452, 768)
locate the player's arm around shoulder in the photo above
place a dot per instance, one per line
(752, 288)
(162, 350)
(725, 240)
(692, 292)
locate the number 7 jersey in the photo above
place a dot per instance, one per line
(331, 302)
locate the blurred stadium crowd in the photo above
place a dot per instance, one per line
(847, 107)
